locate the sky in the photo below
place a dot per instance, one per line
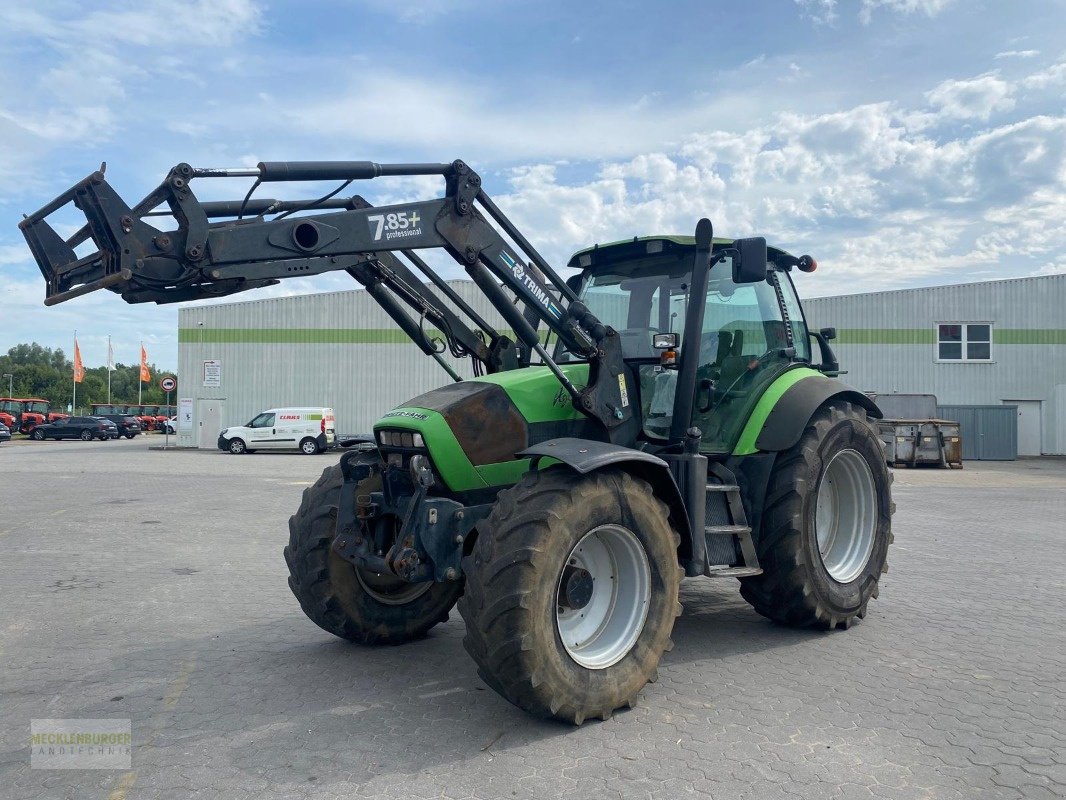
(900, 142)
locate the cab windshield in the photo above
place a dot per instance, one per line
(741, 346)
(39, 407)
(10, 406)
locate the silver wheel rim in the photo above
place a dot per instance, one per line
(236, 447)
(388, 589)
(846, 515)
(603, 631)
(310, 447)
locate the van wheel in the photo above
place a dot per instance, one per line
(309, 447)
(236, 447)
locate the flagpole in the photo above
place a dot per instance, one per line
(109, 369)
(140, 383)
(74, 376)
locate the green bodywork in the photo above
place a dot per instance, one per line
(533, 390)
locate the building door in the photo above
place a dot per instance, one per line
(209, 417)
(1029, 439)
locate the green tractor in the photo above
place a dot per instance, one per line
(663, 413)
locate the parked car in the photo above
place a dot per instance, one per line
(308, 430)
(171, 426)
(85, 428)
(127, 426)
(5, 433)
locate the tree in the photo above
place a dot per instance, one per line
(46, 373)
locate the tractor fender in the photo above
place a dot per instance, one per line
(584, 456)
(787, 420)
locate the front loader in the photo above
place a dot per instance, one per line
(659, 414)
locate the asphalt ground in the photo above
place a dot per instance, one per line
(150, 586)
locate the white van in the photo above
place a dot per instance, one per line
(308, 430)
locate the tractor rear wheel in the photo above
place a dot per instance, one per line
(571, 592)
(826, 526)
(349, 602)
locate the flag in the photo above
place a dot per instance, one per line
(145, 374)
(79, 370)
(110, 355)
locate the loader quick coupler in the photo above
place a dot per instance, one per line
(389, 523)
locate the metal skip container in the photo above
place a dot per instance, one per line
(912, 434)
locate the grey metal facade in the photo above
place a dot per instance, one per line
(989, 433)
(340, 349)
(334, 349)
(888, 343)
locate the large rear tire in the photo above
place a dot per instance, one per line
(826, 526)
(348, 602)
(571, 592)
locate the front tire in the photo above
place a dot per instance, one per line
(37, 435)
(344, 600)
(571, 592)
(826, 526)
(237, 447)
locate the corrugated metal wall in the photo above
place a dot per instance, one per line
(334, 349)
(989, 433)
(887, 343)
(341, 349)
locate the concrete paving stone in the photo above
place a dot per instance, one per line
(150, 586)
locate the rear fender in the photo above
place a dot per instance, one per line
(584, 457)
(788, 419)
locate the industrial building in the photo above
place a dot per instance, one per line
(997, 343)
(335, 349)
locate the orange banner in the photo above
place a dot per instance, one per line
(79, 370)
(145, 374)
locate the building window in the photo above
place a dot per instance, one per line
(964, 341)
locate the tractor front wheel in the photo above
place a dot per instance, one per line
(826, 526)
(571, 592)
(345, 600)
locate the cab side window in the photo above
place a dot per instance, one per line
(262, 421)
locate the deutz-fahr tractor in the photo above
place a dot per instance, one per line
(662, 413)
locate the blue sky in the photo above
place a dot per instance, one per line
(901, 142)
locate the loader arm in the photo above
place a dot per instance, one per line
(216, 250)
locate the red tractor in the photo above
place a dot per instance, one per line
(23, 414)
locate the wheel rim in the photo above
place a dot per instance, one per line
(602, 596)
(236, 447)
(846, 515)
(309, 447)
(389, 589)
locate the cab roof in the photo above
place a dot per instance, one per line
(626, 249)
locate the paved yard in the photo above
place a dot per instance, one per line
(150, 585)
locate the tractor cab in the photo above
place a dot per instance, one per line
(750, 329)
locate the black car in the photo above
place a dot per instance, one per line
(127, 426)
(85, 428)
(5, 433)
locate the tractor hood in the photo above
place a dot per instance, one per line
(472, 429)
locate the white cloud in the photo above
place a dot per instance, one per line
(1017, 54)
(929, 8)
(821, 12)
(976, 98)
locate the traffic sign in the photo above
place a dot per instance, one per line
(168, 384)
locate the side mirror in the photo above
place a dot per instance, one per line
(828, 333)
(665, 341)
(749, 260)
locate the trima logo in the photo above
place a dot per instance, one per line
(533, 287)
